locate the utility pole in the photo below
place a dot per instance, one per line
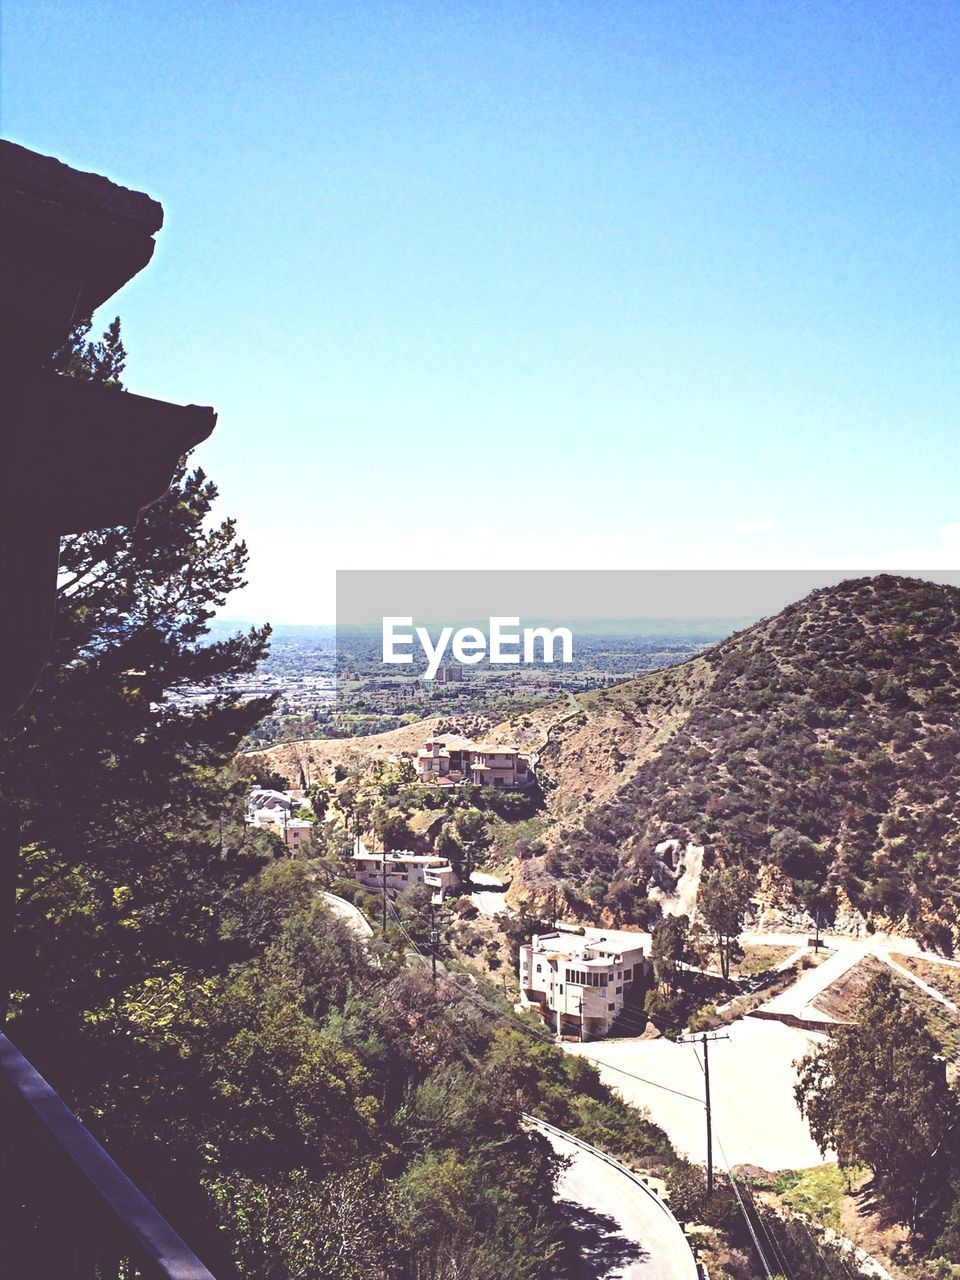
(434, 940)
(582, 1036)
(705, 1040)
(383, 891)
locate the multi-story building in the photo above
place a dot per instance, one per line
(579, 984)
(401, 870)
(449, 675)
(448, 760)
(274, 810)
(296, 832)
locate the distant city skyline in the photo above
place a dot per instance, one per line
(555, 287)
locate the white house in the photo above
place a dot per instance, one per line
(579, 984)
(400, 870)
(263, 800)
(273, 811)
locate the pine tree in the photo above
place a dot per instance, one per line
(722, 906)
(122, 795)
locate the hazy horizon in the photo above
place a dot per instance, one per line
(661, 285)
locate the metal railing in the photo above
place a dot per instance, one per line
(685, 1250)
(67, 1210)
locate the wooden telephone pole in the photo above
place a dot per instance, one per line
(434, 942)
(705, 1039)
(383, 891)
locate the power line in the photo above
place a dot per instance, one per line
(827, 1260)
(518, 1024)
(736, 1190)
(778, 1254)
(776, 1249)
(705, 1039)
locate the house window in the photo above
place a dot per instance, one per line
(619, 991)
(539, 968)
(611, 1007)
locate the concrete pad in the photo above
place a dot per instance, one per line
(752, 1076)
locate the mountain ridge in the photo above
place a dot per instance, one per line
(824, 742)
(819, 749)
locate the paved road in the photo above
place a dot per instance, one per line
(752, 1075)
(352, 916)
(490, 897)
(812, 983)
(845, 952)
(624, 1232)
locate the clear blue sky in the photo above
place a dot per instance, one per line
(546, 284)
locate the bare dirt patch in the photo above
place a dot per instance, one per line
(844, 998)
(758, 958)
(944, 978)
(317, 757)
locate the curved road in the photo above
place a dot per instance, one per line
(351, 916)
(624, 1230)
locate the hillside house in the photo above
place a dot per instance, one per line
(274, 811)
(264, 800)
(579, 984)
(401, 870)
(447, 760)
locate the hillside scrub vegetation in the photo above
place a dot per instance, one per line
(826, 745)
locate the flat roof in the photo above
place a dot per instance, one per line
(434, 859)
(567, 946)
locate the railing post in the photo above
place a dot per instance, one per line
(9, 870)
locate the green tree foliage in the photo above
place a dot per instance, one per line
(392, 831)
(319, 795)
(129, 799)
(722, 902)
(269, 779)
(296, 1104)
(796, 855)
(450, 847)
(474, 837)
(668, 949)
(877, 1094)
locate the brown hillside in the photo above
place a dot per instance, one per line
(825, 743)
(819, 748)
(315, 758)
